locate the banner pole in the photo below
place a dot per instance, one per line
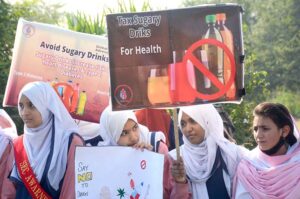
(175, 124)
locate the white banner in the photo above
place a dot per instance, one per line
(118, 173)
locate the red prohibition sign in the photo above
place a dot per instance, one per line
(143, 164)
(222, 88)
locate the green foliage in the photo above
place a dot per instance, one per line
(289, 99)
(276, 39)
(37, 10)
(128, 6)
(83, 23)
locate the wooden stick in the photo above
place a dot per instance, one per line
(175, 122)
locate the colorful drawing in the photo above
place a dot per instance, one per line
(134, 194)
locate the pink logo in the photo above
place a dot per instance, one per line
(28, 30)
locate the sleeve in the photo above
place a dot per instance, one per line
(68, 187)
(171, 188)
(7, 188)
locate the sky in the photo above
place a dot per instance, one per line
(94, 7)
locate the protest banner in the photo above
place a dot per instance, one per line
(176, 57)
(118, 172)
(75, 64)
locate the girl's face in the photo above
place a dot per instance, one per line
(266, 133)
(191, 129)
(31, 117)
(130, 134)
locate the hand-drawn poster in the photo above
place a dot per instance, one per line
(118, 173)
(75, 64)
(176, 57)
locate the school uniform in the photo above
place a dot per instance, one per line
(49, 148)
(210, 166)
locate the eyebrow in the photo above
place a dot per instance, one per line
(135, 124)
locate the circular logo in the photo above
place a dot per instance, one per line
(28, 30)
(123, 95)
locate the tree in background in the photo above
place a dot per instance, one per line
(276, 37)
(276, 41)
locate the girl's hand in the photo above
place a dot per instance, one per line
(143, 146)
(178, 171)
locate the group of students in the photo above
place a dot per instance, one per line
(40, 163)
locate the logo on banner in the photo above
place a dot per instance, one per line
(123, 94)
(28, 30)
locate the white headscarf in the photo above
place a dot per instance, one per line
(88, 130)
(8, 130)
(112, 124)
(37, 141)
(199, 159)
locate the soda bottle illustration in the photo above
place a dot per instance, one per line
(214, 54)
(67, 94)
(53, 82)
(191, 74)
(75, 97)
(228, 41)
(81, 103)
(207, 83)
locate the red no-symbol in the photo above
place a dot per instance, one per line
(222, 88)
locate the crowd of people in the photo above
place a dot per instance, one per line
(40, 163)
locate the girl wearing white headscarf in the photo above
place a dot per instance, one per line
(112, 126)
(7, 133)
(49, 142)
(272, 169)
(113, 122)
(208, 163)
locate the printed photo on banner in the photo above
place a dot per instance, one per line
(176, 57)
(132, 174)
(75, 64)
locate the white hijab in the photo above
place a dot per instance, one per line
(88, 130)
(199, 159)
(8, 131)
(112, 124)
(37, 141)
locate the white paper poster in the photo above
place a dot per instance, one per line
(118, 173)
